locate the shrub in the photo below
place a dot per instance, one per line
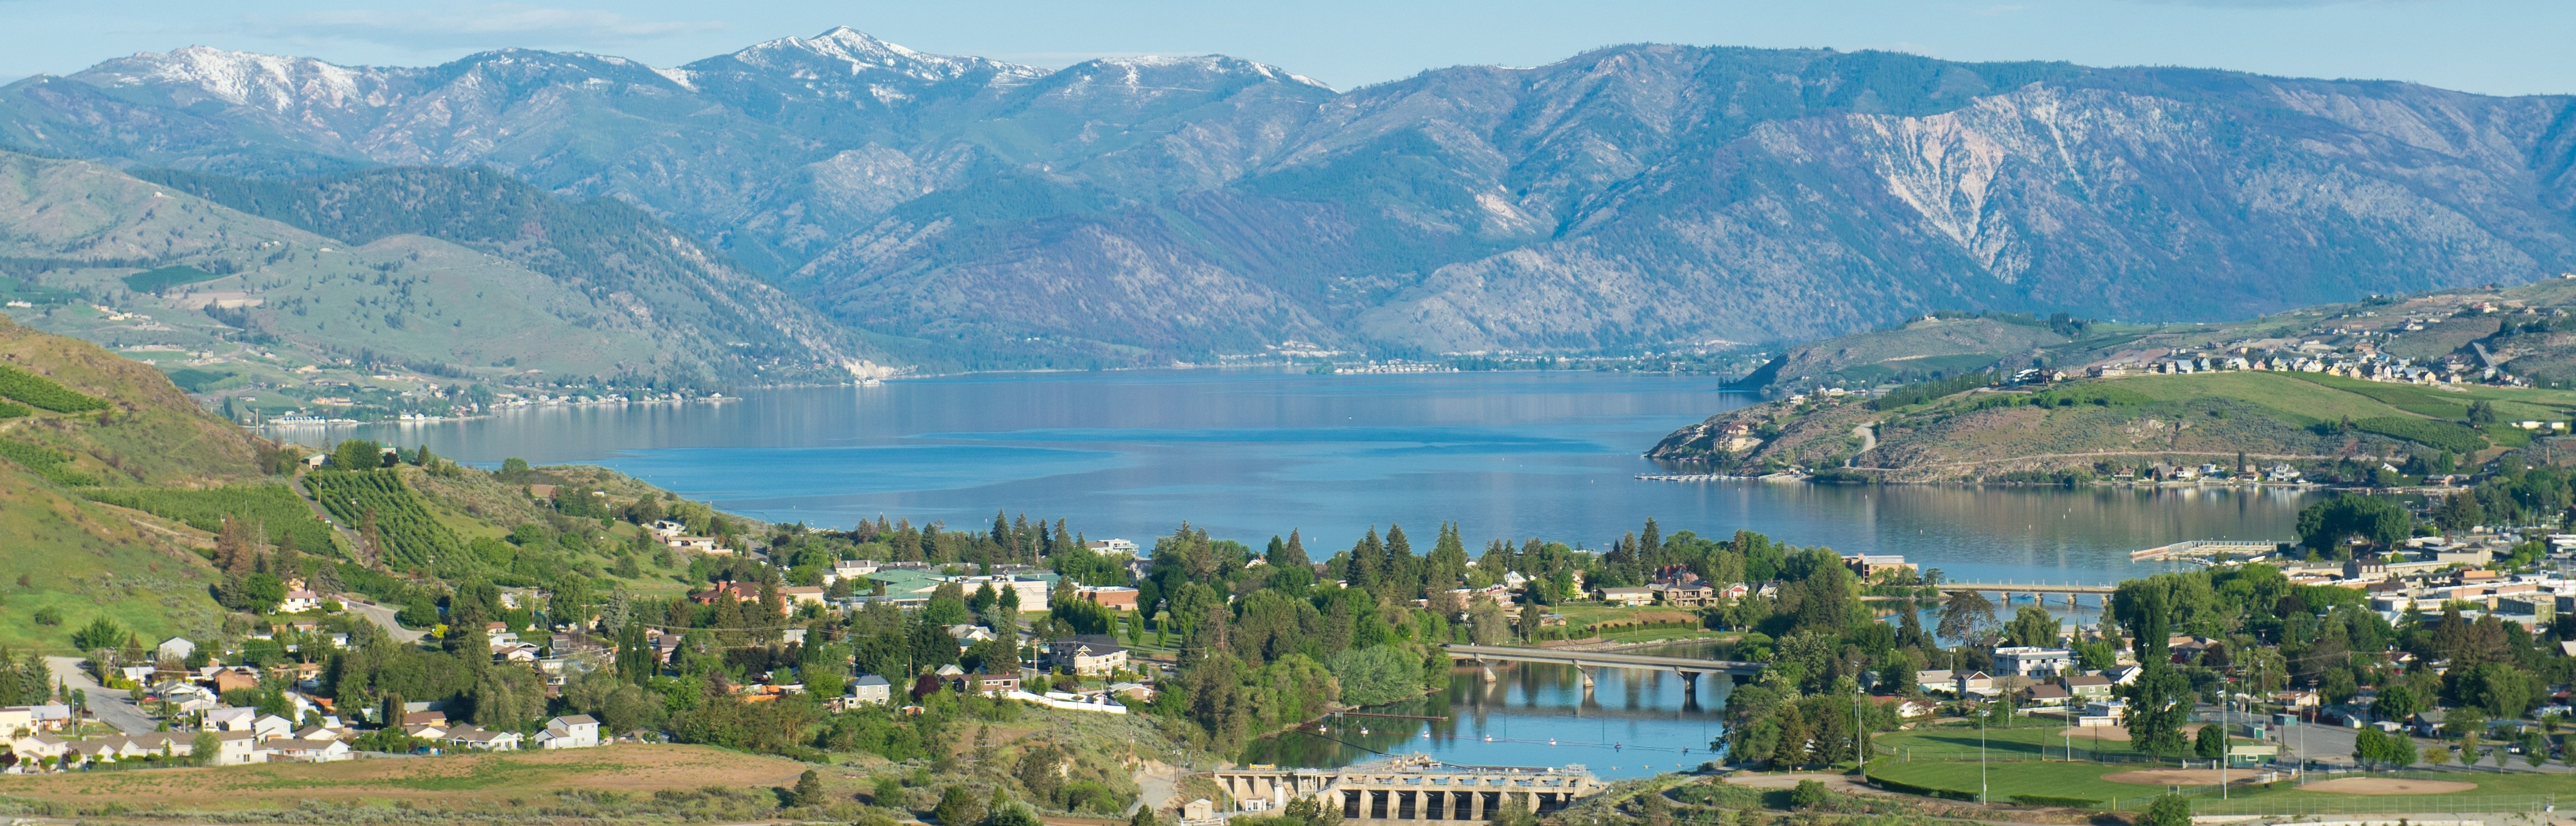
(1809, 794)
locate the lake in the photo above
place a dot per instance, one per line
(1250, 454)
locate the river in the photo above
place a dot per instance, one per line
(1250, 454)
(1631, 723)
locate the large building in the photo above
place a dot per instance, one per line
(2033, 661)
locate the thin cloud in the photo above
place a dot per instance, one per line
(2274, 4)
(473, 27)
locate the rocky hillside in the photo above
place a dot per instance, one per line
(1133, 210)
(450, 275)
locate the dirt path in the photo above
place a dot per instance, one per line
(1158, 784)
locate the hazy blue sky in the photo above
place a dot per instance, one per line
(2494, 46)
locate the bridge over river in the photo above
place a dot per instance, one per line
(1411, 787)
(1689, 667)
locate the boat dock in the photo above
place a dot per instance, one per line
(2205, 550)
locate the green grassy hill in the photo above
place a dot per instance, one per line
(114, 484)
(68, 559)
(2331, 428)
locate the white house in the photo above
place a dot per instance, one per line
(234, 748)
(298, 602)
(1626, 596)
(174, 649)
(870, 688)
(328, 750)
(2033, 661)
(578, 731)
(272, 726)
(231, 718)
(474, 737)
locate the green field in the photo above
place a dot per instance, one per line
(2004, 779)
(2027, 740)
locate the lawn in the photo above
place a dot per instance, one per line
(2028, 739)
(2005, 779)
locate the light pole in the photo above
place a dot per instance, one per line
(1981, 757)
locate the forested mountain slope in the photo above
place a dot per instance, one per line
(1132, 210)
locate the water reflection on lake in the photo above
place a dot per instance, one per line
(1631, 723)
(1250, 454)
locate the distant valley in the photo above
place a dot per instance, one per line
(963, 213)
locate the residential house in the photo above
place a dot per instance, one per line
(328, 750)
(475, 737)
(2429, 723)
(298, 602)
(235, 679)
(577, 731)
(1632, 597)
(174, 649)
(2042, 695)
(2087, 686)
(39, 745)
(1973, 683)
(1089, 655)
(801, 594)
(993, 684)
(1694, 594)
(235, 748)
(2109, 712)
(968, 633)
(271, 725)
(1933, 679)
(231, 719)
(870, 689)
(1138, 692)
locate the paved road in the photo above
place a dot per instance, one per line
(383, 617)
(109, 705)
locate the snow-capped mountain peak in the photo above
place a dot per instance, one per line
(861, 52)
(271, 82)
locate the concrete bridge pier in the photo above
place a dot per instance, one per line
(1587, 676)
(1489, 670)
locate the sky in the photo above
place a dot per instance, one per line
(2489, 46)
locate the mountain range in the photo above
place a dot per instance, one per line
(1143, 210)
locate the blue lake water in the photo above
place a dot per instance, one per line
(1250, 454)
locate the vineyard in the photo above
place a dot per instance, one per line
(2448, 436)
(44, 393)
(46, 462)
(407, 536)
(273, 508)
